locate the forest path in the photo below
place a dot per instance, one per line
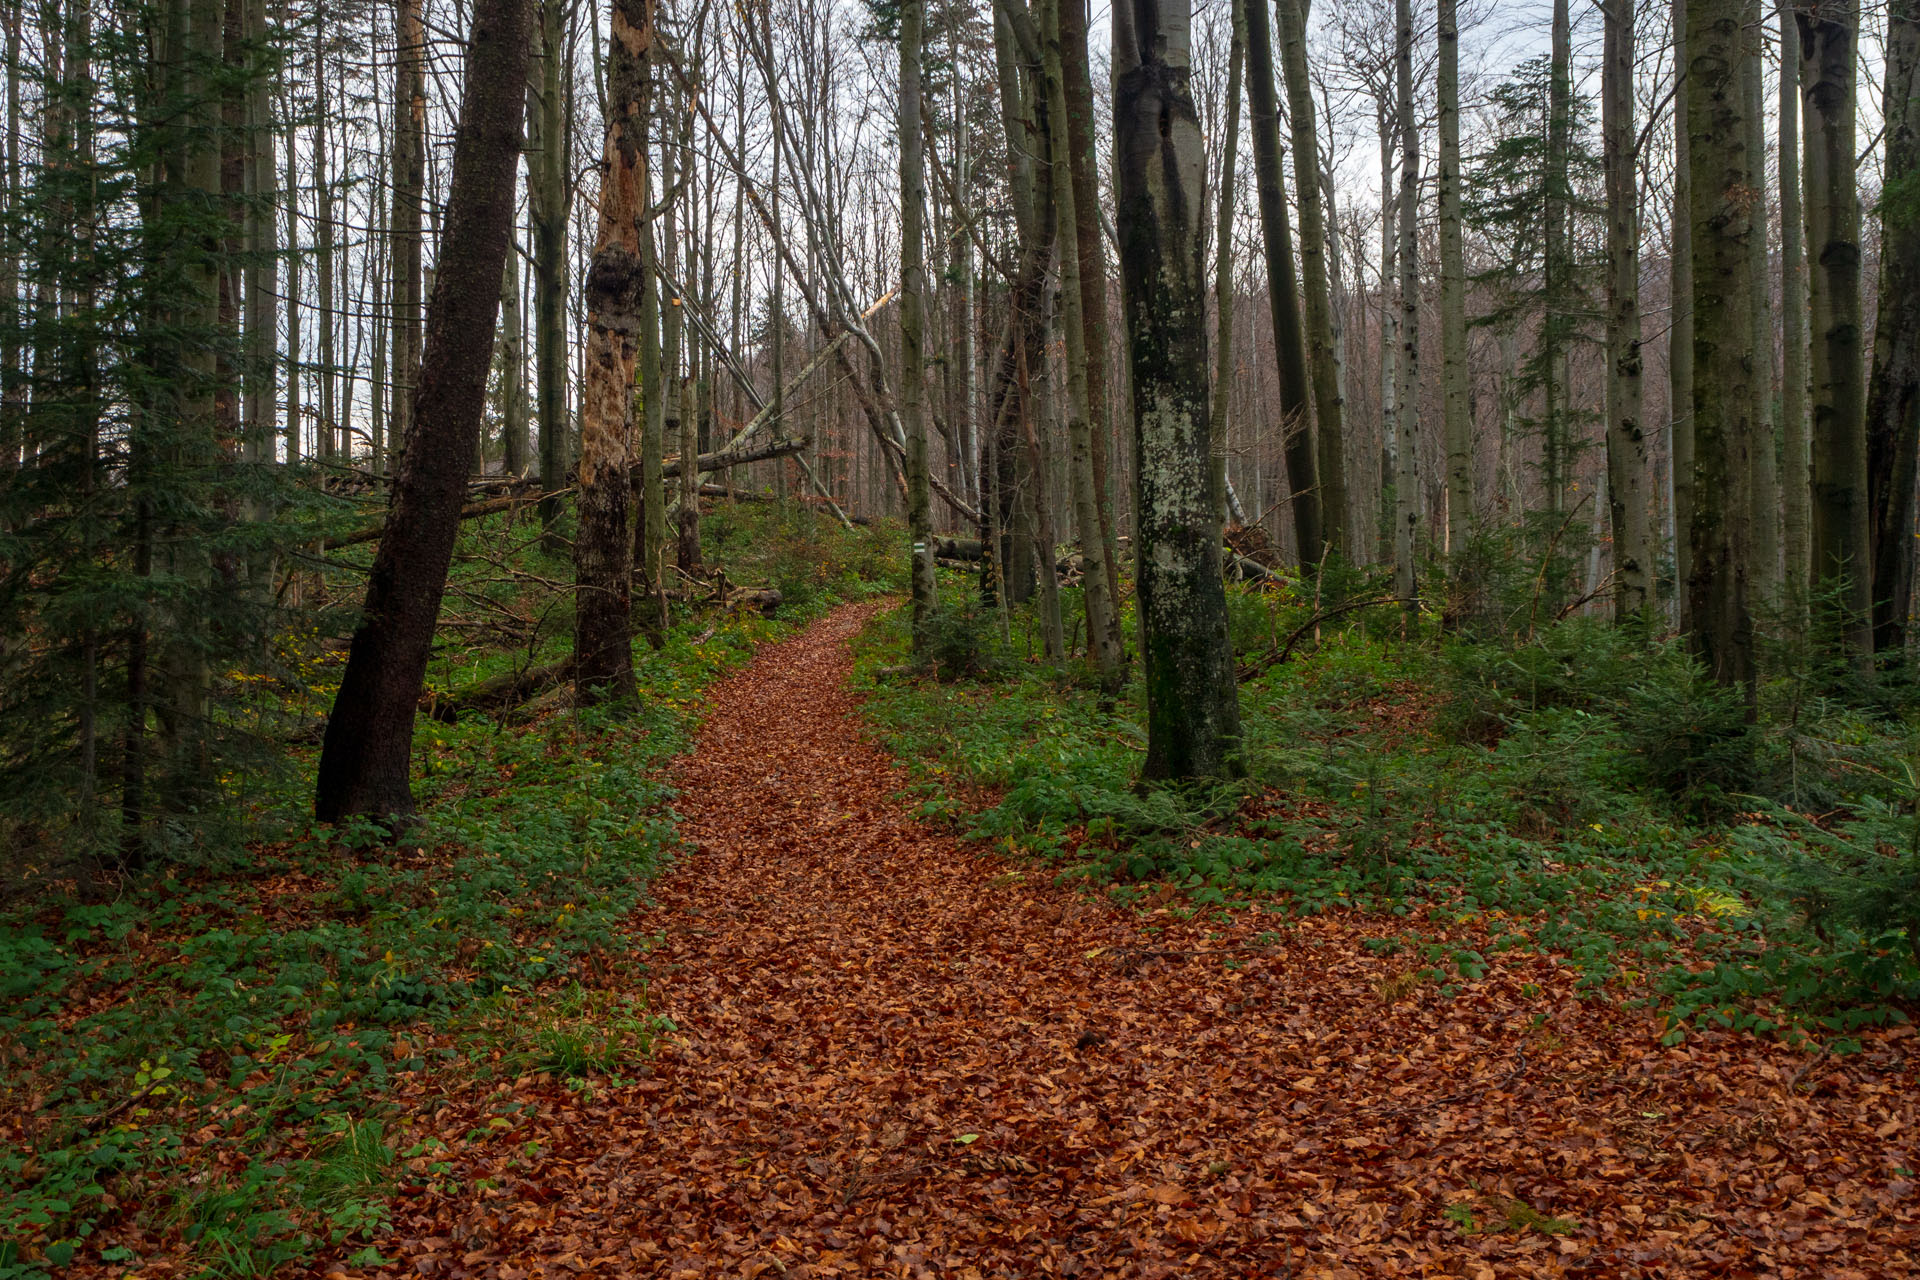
(898, 1055)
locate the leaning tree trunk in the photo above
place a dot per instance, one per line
(1283, 294)
(1721, 180)
(1626, 438)
(913, 287)
(1842, 554)
(1329, 404)
(1893, 398)
(1406, 480)
(615, 285)
(363, 763)
(1456, 424)
(1193, 710)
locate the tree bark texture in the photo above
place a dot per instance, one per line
(1193, 710)
(1720, 619)
(615, 286)
(1626, 437)
(1456, 423)
(1842, 553)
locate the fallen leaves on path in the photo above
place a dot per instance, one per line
(898, 1055)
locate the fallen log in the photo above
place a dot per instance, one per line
(472, 511)
(724, 458)
(498, 694)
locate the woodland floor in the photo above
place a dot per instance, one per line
(899, 1055)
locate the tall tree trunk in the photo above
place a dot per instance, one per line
(1456, 423)
(514, 440)
(548, 203)
(1386, 122)
(1556, 322)
(913, 286)
(1795, 476)
(263, 250)
(1893, 397)
(1103, 630)
(1766, 466)
(1193, 709)
(1842, 551)
(363, 762)
(1680, 378)
(1626, 438)
(409, 185)
(616, 283)
(1719, 615)
(650, 525)
(329, 443)
(1406, 481)
(1283, 294)
(1223, 284)
(1082, 136)
(1329, 403)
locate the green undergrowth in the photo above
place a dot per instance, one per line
(214, 1052)
(1586, 793)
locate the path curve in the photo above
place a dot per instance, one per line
(901, 1056)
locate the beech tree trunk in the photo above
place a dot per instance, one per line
(1893, 397)
(369, 738)
(1720, 621)
(1407, 461)
(1329, 400)
(1626, 439)
(1223, 288)
(1283, 293)
(1842, 552)
(1193, 710)
(1103, 631)
(1077, 85)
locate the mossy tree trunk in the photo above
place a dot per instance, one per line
(1193, 710)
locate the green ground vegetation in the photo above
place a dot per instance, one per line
(1568, 786)
(212, 1046)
